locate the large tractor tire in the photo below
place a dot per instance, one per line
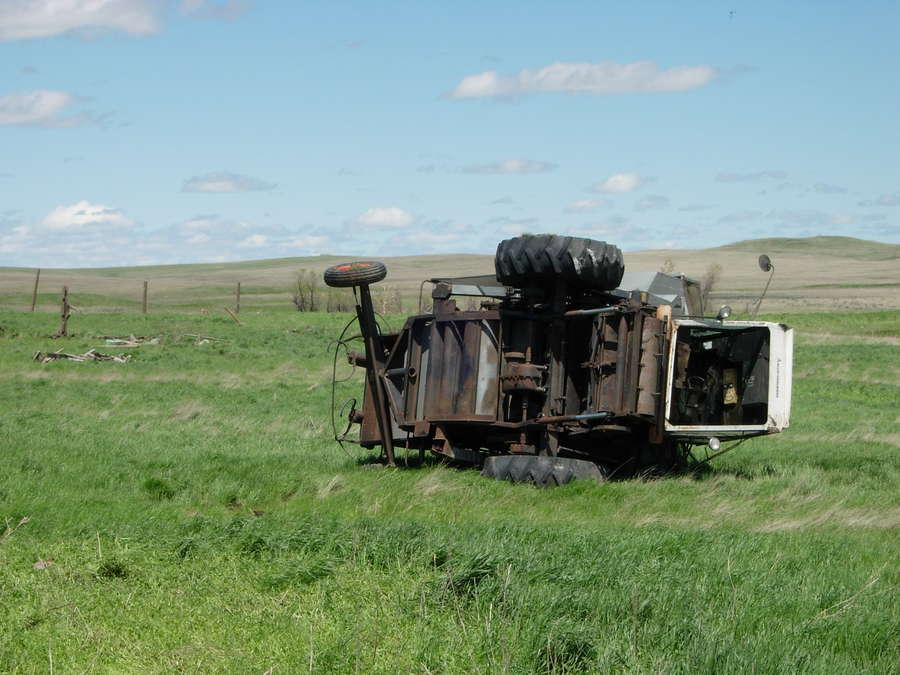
(355, 274)
(532, 260)
(540, 470)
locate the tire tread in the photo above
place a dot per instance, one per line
(532, 259)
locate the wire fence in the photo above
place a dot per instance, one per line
(45, 290)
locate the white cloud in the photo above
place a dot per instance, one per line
(386, 216)
(742, 216)
(27, 19)
(197, 239)
(598, 230)
(616, 230)
(809, 218)
(87, 235)
(844, 219)
(209, 9)
(507, 225)
(211, 233)
(883, 200)
(511, 166)
(225, 182)
(85, 217)
(619, 183)
(585, 205)
(828, 189)
(599, 79)
(429, 239)
(203, 223)
(651, 203)
(39, 108)
(253, 241)
(515, 228)
(15, 240)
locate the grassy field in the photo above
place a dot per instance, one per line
(189, 512)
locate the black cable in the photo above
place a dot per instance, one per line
(337, 344)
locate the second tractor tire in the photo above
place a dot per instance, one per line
(540, 470)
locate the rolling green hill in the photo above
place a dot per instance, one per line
(842, 247)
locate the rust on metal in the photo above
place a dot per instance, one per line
(553, 368)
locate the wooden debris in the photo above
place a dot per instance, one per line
(10, 529)
(129, 341)
(203, 339)
(233, 316)
(89, 355)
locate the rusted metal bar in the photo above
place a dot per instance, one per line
(375, 356)
(570, 418)
(556, 390)
(592, 312)
(621, 354)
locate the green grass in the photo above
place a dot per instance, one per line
(847, 325)
(199, 517)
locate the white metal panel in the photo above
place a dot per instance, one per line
(781, 361)
(781, 366)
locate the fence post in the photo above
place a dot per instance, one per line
(237, 301)
(64, 314)
(37, 279)
(144, 307)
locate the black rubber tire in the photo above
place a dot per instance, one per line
(355, 273)
(540, 470)
(531, 260)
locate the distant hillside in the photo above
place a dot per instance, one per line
(844, 247)
(839, 273)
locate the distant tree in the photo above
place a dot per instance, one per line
(668, 266)
(708, 282)
(387, 299)
(306, 291)
(338, 300)
(312, 295)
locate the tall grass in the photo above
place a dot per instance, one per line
(188, 511)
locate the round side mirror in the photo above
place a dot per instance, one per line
(765, 263)
(724, 312)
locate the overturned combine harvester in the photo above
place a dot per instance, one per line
(570, 368)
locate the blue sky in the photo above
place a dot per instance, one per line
(146, 131)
